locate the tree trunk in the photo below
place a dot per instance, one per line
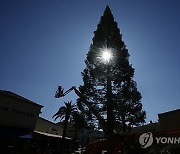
(75, 135)
(110, 119)
(65, 127)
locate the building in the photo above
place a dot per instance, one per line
(151, 127)
(49, 128)
(170, 120)
(18, 115)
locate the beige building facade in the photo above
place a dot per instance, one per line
(46, 127)
(18, 115)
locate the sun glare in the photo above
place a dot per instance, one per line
(106, 55)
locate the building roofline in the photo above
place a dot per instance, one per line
(16, 96)
(47, 121)
(169, 112)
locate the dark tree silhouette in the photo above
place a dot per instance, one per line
(65, 113)
(108, 83)
(79, 122)
(69, 114)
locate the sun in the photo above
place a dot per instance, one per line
(106, 55)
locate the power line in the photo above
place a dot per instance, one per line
(147, 100)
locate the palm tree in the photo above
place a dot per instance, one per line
(65, 113)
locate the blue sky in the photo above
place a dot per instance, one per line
(44, 43)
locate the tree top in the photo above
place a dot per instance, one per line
(107, 10)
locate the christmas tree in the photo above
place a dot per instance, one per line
(108, 80)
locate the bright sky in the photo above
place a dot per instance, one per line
(44, 43)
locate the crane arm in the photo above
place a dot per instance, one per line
(60, 93)
(91, 108)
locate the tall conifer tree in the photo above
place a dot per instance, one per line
(108, 83)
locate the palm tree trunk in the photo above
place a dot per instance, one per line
(65, 127)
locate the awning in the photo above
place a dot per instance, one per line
(51, 135)
(27, 136)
